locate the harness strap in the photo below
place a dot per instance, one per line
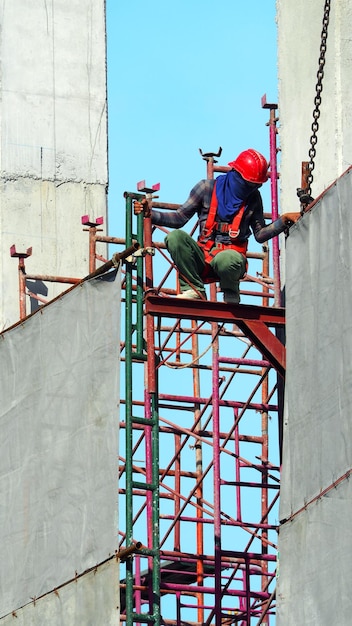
(209, 224)
(206, 241)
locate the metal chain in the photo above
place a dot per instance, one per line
(318, 91)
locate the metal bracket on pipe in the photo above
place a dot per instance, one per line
(20, 255)
(141, 186)
(125, 553)
(208, 156)
(141, 252)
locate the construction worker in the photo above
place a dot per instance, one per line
(229, 208)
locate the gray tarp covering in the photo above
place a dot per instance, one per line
(90, 600)
(59, 393)
(315, 546)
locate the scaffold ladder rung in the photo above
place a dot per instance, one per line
(145, 421)
(145, 486)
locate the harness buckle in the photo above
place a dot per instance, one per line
(233, 234)
(222, 227)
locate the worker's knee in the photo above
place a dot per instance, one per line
(176, 238)
(229, 261)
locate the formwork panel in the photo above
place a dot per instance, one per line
(90, 599)
(314, 539)
(59, 443)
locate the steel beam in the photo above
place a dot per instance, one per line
(254, 321)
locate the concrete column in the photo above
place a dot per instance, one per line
(53, 154)
(299, 36)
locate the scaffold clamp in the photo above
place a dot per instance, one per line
(20, 255)
(141, 252)
(266, 104)
(141, 186)
(87, 222)
(209, 156)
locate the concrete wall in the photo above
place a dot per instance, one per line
(315, 502)
(299, 34)
(314, 545)
(59, 417)
(53, 124)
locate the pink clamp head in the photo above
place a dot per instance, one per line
(141, 186)
(87, 222)
(21, 255)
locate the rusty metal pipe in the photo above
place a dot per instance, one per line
(126, 552)
(113, 262)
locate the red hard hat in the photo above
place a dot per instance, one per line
(252, 166)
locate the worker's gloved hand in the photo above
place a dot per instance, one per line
(290, 218)
(141, 207)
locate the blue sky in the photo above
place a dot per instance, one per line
(182, 76)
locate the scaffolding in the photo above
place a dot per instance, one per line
(199, 482)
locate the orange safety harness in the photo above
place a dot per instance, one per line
(206, 240)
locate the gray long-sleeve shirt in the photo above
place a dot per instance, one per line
(198, 203)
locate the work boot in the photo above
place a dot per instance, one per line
(231, 297)
(192, 294)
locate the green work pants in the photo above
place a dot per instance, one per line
(228, 266)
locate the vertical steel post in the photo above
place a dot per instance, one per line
(22, 287)
(274, 196)
(128, 418)
(138, 289)
(177, 499)
(151, 426)
(92, 248)
(237, 468)
(21, 277)
(199, 472)
(265, 455)
(92, 229)
(152, 434)
(155, 511)
(216, 475)
(216, 437)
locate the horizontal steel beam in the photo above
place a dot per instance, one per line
(254, 321)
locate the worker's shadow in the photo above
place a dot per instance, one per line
(36, 288)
